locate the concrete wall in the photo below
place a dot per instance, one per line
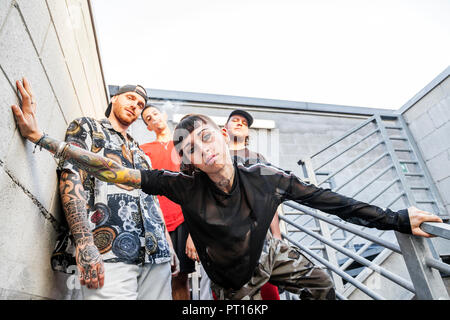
(52, 43)
(296, 134)
(428, 118)
(299, 133)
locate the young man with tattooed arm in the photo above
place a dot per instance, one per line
(121, 243)
(229, 207)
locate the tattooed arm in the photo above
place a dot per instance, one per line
(94, 164)
(103, 168)
(89, 261)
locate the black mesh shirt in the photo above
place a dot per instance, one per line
(228, 230)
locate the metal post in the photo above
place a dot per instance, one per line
(352, 161)
(329, 252)
(434, 192)
(336, 269)
(415, 250)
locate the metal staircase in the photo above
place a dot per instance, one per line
(376, 162)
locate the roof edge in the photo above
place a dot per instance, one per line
(430, 86)
(160, 94)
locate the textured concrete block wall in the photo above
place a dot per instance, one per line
(51, 43)
(299, 134)
(429, 122)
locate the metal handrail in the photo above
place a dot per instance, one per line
(382, 271)
(361, 172)
(377, 195)
(349, 228)
(359, 252)
(336, 270)
(401, 194)
(346, 149)
(372, 180)
(434, 228)
(420, 258)
(352, 161)
(441, 266)
(439, 229)
(348, 133)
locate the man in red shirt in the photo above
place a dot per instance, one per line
(163, 156)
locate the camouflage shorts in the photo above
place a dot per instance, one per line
(284, 266)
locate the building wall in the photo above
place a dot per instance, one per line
(296, 134)
(428, 118)
(299, 133)
(52, 43)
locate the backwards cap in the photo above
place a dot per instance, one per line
(140, 90)
(243, 113)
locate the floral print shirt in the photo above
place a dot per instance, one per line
(126, 223)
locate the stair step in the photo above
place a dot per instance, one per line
(408, 161)
(419, 188)
(425, 201)
(403, 150)
(398, 138)
(292, 213)
(316, 247)
(310, 229)
(414, 174)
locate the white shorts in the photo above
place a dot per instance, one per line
(132, 282)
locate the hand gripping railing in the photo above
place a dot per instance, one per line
(437, 229)
(421, 261)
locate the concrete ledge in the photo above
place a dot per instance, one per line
(247, 101)
(436, 81)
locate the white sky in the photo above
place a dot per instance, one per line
(360, 53)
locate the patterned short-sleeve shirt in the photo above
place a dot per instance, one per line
(126, 223)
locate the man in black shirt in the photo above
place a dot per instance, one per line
(228, 207)
(238, 128)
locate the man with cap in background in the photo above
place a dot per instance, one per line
(121, 244)
(238, 124)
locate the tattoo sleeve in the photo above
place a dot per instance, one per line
(74, 206)
(100, 167)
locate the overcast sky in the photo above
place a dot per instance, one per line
(358, 53)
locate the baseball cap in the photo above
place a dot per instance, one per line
(243, 113)
(140, 90)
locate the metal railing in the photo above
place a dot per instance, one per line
(385, 169)
(397, 184)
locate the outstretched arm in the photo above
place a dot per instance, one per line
(351, 210)
(102, 168)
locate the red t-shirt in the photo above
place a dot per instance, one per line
(163, 156)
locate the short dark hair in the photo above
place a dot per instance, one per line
(185, 127)
(148, 105)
